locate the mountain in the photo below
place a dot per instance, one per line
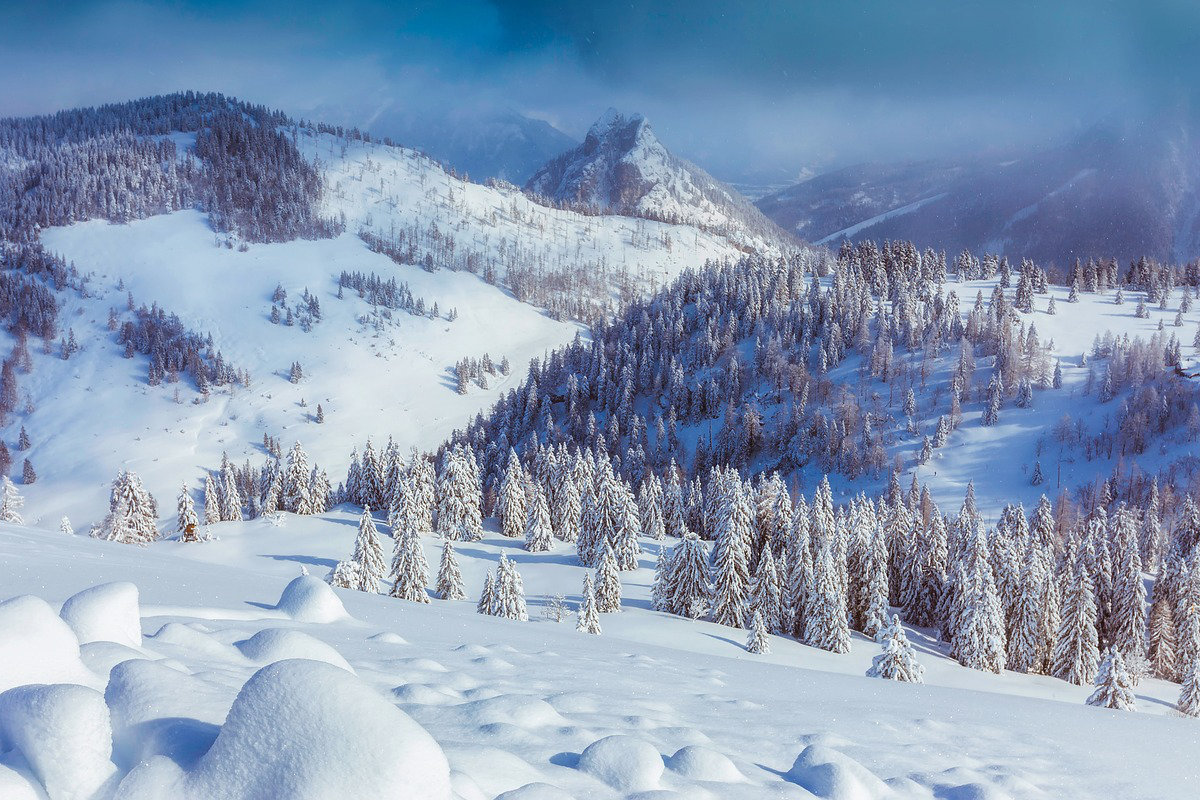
(1116, 190)
(622, 167)
(502, 144)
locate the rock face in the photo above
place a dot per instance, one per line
(622, 168)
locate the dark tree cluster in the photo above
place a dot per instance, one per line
(174, 350)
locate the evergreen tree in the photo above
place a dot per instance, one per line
(10, 502)
(1162, 641)
(28, 473)
(1189, 692)
(758, 642)
(674, 510)
(567, 512)
(688, 593)
(510, 504)
(410, 570)
(449, 578)
(510, 592)
(608, 583)
(212, 501)
(132, 517)
(345, 575)
(487, 598)
(186, 520)
(827, 626)
(1076, 651)
(650, 507)
(1113, 684)
(589, 616)
(898, 661)
(765, 597)
(660, 586)
(64, 526)
(368, 554)
(231, 507)
(730, 560)
(979, 640)
(1128, 616)
(459, 516)
(1024, 639)
(538, 535)
(294, 493)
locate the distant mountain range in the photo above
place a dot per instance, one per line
(621, 167)
(1117, 190)
(499, 143)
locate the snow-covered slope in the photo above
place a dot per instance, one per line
(621, 166)
(512, 705)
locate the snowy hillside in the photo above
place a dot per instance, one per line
(622, 167)
(437, 701)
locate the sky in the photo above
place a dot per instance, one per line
(752, 90)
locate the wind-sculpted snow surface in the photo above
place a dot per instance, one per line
(448, 704)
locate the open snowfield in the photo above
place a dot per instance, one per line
(525, 709)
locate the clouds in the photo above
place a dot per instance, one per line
(738, 86)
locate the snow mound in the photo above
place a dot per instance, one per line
(36, 646)
(15, 786)
(387, 637)
(156, 710)
(535, 791)
(625, 763)
(304, 729)
(523, 711)
(196, 642)
(101, 657)
(833, 775)
(278, 644)
(63, 733)
(704, 764)
(424, 694)
(105, 613)
(309, 599)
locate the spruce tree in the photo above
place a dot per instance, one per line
(510, 592)
(1076, 650)
(1024, 639)
(1189, 692)
(730, 557)
(368, 554)
(212, 501)
(588, 617)
(64, 527)
(294, 493)
(567, 513)
(650, 507)
(660, 585)
(1127, 623)
(459, 516)
(538, 535)
(898, 661)
(231, 510)
(979, 640)
(688, 593)
(10, 502)
(510, 503)
(131, 517)
(487, 597)
(758, 642)
(345, 575)
(449, 578)
(674, 509)
(765, 598)
(186, 520)
(410, 571)
(608, 583)
(1162, 640)
(1114, 688)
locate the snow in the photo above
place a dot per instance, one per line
(859, 227)
(513, 707)
(309, 599)
(105, 613)
(303, 729)
(36, 646)
(831, 774)
(279, 644)
(62, 732)
(625, 763)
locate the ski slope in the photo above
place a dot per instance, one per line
(525, 709)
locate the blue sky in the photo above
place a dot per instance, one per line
(731, 84)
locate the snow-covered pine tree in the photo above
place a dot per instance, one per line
(730, 570)
(674, 509)
(625, 545)
(422, 486)
(1076, 649)
(294, 493)
(410, 571)
(186, 520)
(459, 516)
(212, 501)
(368, 554)
(898, 661)
(231, 506)
(1189, 692)
(1127, 623)
(539, 537)
(979, 636)
(827, 626)
(758, 642)
(608, 583)
(1162, 640)
(344, 575)
(1024, 646)
(566, 514)
(511, 501)
(765, 597)
(800, 570)
(650, 507)
(449, 578)
(64, 526)
(688, 593)
(510, 592)
(131, 517)
(660, 586)
(10, 502)
(874, 586)
(487, 597)
(1114, 689)
(589, 617)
